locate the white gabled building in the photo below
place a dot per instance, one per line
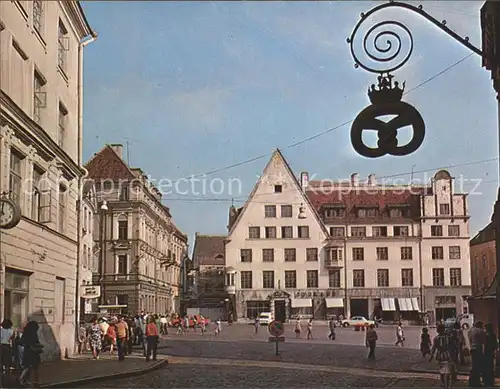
(354, 248)
(275, 248)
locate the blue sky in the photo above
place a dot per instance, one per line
(196, 86)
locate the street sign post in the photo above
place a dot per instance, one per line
(276, 330)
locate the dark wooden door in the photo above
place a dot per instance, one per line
(279, 310)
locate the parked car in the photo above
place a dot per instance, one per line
(265, 318)
(357, 320)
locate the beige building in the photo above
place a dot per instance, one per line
(41, 52)
(351, 248)
(140, 248)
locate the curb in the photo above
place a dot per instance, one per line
(157, 365)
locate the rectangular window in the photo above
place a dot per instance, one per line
(286, 211)
(254, 232)
(287, 232)
(18, 75)
(455, 276)
(268, 279)
(270, 210)
(379, 231)
(358, 254)
(453, 230)
(62, 47)
(303, 231)
(270, 232)
(59, 300)
(267, 255)
(39, 97)
(337, 232)
(444, 209)
(406, 253)
(38, 16)
(334, 213)
(454, 252)
(437, 252)
(335, 255)
(122, 299)
(122, 264)
(15, 175)
(290, 279)
(246, 279)
(278, 188)
(436, 230)
(290, 255)
(358, 278)
(367, 212)
(359, 232)
(401, 230)
(63, 118)
(123, 229)
(382, 253)
(16, 297)
(312, 254)
(407, 277)
(312, 278)
(62, 208)
(334, 279)
(382, 278)
(124, 193)
(246, 255)
(36, 205)
(438, 277)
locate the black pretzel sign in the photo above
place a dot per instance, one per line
(387, 132)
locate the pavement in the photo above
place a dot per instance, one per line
(82, 369)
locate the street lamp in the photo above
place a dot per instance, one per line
(102, 240)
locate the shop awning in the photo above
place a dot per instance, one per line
(414, 302)
(405, 304)
(334, 302)
(301, 303)
(388, 304)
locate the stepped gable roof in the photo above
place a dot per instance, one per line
(209, 250)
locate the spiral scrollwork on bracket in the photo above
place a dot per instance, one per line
(388, 44)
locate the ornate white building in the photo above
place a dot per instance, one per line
(41, 72)
(352, 248)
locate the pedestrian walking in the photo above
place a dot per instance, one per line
(371, 341)
(82, 338)
(218, 329)
(425, 342)
(331, 325)
(153, 338)
(7, 337)
(309, 329)
(490, 349)
(31, 356)
(95, 338)
(256, 324)
(298, 329)
(121, 337)
(400, 336)
(477, 339)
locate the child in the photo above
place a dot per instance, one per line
(425, 342)
(218, 327)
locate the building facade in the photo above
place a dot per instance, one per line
(209, 277)
(482, 302)
(140, 248)
(41, 50)
(350, 248)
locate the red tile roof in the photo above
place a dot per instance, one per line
(209, 250)
(106, 164)
(363, 196)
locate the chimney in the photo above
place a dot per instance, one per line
(372, 180)
(354, 179)
(118, 148)
(304, 180)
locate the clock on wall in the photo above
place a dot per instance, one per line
(10, 214)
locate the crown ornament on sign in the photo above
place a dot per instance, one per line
(386, 91)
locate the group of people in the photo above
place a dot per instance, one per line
(21, 349)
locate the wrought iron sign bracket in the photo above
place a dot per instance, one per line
(386, 50)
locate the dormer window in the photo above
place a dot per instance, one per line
(334, 212)
(278, 188)
(367, 212)
(399, 211)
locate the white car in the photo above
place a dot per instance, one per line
(356, 320)
(265, 318)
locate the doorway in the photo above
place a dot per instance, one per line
(443, 313)
(280, 310)
(359, 307)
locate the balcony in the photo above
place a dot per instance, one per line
(333, 263)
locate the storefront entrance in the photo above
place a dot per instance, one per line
(280, 310)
